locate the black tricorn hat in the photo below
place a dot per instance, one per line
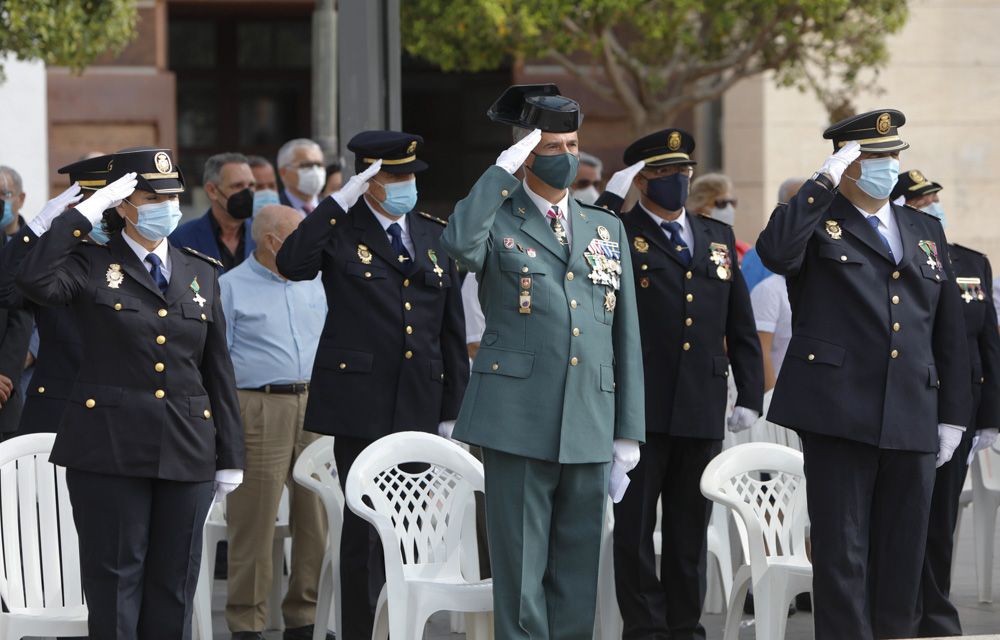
(537, 106)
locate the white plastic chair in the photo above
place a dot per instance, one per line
(771, 518)
(316, 470)
(216, 532)
(985, 474)
(40, 565)
(426, 521)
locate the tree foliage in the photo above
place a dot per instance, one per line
(658, 58)
(71, 33)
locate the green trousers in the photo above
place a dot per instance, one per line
(544, 521)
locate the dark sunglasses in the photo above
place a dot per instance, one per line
(722, 202)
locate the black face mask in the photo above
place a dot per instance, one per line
(670, 192)
(240, 204)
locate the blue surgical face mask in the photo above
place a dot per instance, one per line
(878, 176)
(670, 192)
(157, 220)
(935, 209)
(264, 198)
(97, 234)
(400, 197)
(8, 214)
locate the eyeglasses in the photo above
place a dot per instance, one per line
(308, 165)
(583, 183)
(722, 202)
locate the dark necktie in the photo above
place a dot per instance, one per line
(873, 221)
(683, 251)
(156, 272)
(555, 221)
(396, 232)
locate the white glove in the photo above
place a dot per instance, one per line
(513, 157)
(40, 223)
(742, 419)
(949, 437)
(983, 439)
(626, 453)
(107, 197)
(446, 428)
(226, 481)
(836, 164)
(622, 180)
(355, 187)
(618, 482)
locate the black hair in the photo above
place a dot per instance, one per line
(332, 168)
(112, 222)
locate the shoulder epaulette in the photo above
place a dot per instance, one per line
(209, 259)
(920, 211)
(974, 251)
(705, 216)
(433, 218)
(593, 207)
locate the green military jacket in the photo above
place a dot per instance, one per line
(558, 375)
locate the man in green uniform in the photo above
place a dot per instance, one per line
(556, 395)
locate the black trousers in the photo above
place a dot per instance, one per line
(140, 549)
(868, 509)
(362, 566)
(937, 615)
(670, 470)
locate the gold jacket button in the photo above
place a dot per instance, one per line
(574, 361)
(505, 193)
(407, 306)
(161, 339)
(895, 299)
(689, 297)
(688, 275)
(810, 199)
(76, 233)
(895, 275)
(843, 258)
(118, 306)
(495, 366)
(576, 331)
(644, 267)
(524, 269)
(894, 354)
(569, 275)
(159, 367)
(895, 326)
(686, 346)
(204, 317)
(162, 313)
(406, 282)
(409, 330)
(368, 274)
(572, 304)
(91, 403)
(160, 394)
(333, 221)
(688, 322)
(343, 365)
(27, 238)
(408, 355)
(41, 389)
(207, 414)
(811, 357)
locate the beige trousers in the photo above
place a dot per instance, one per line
(274, 440)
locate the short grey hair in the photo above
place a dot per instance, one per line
(258, 161)
(593, 161)
(213, 166)
(14, 177)
(789, 188)
(287, 150)
(269, 219)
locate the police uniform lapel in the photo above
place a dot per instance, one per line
(182, 276)
(854, 223)
(583, 231)
(654, 234)
(908, 234)
(124, 256)
(702, 238)
(421, 243)
(533, 223)
(374, 236)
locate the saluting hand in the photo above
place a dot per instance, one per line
(513, 157)
(836, 164)
(107, 197)
(41, 222)
(622, 180)
(355, 187)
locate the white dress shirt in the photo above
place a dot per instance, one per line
(404, 223)
(773, 314)
(475, 321)
(682, 220)
(544, 206)
(888, 227)
(141, 253)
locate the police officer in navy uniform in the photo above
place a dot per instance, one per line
(694, 319)
(59, 345)
(973, 275)
(392, 355)
(876, 379)
(152, 427)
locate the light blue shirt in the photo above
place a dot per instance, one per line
(272, 324)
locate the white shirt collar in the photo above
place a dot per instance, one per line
(161, 251)
(544, 205)
(385, 221)
(884, 214)
(681, 219)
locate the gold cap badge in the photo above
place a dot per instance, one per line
(674, 141)
(162, 162)
(412, 147)
(883, 124)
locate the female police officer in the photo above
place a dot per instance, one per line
(153, 415)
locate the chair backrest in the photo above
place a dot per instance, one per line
(316, 469)
(418, 491)
(40, 554)
(985, 470)
(770, 514)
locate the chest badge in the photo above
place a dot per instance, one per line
(437, 268)
(114, 276)
(971, 289)
(833, 228)
(720, 258)
(930, 250)
(508, 243)
(610, 300)
(604, 257)
(640, 244)
(364, 254)
(196, 289)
